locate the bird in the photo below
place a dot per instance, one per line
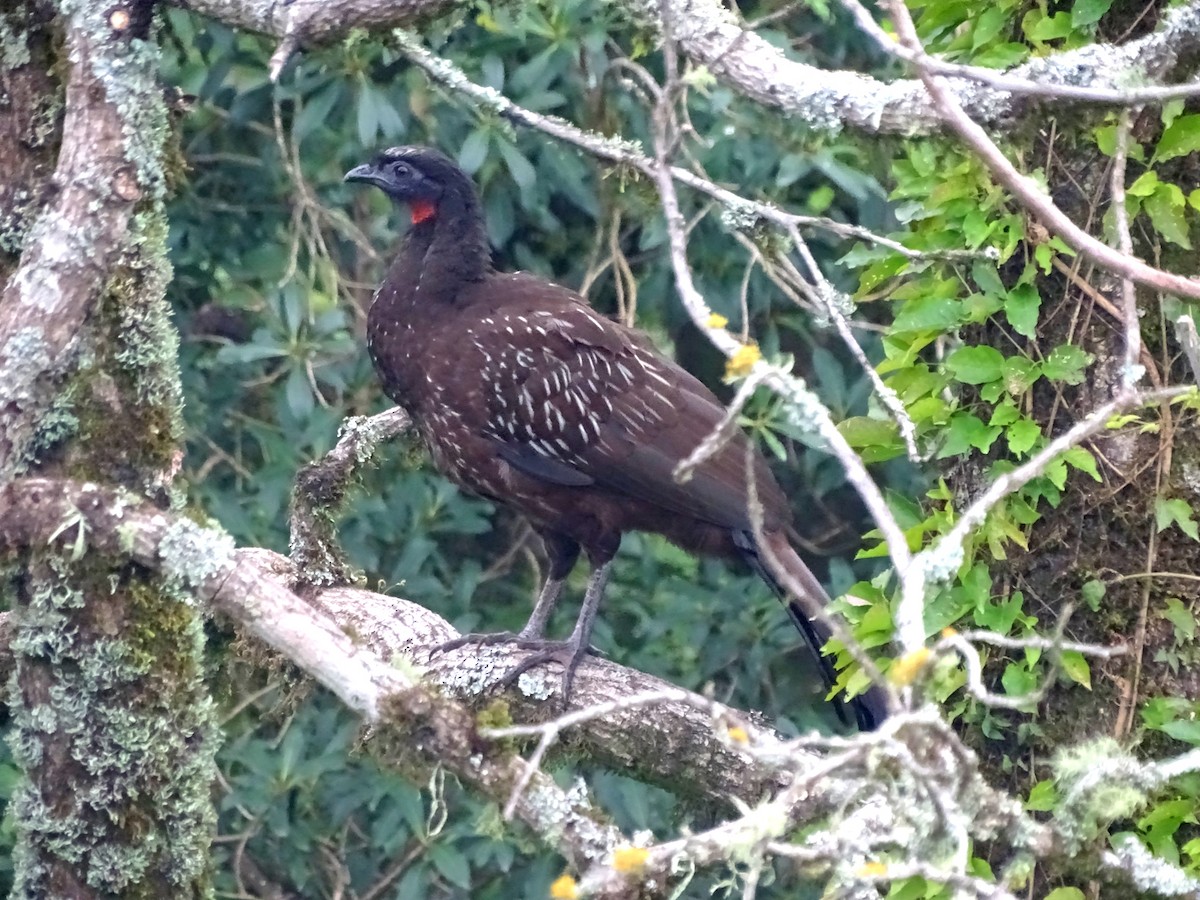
(527, 396)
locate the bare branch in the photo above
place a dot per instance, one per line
(1133, 327)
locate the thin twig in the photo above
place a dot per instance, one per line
(1127, 97)
(629, 153)
(1133, 327)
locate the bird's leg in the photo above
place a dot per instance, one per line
(563, 552)
(547, 599)
(582, 632)
(569, 653)
(529, 637)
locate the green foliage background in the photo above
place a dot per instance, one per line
(280, 265)
(275, 260)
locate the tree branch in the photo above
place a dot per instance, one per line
(711, 36)
(345, 639)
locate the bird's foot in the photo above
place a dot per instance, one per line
(569, 654)
(482, 640)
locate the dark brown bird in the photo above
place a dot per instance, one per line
(528, 397)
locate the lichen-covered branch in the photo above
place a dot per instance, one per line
(314, 22)
(320, 490)
(710, 35)
(899, 794)
(251, 587)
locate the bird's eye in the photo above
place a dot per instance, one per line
(401, 170)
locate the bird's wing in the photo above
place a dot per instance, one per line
(574, 399)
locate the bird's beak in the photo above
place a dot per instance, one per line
(367, 174)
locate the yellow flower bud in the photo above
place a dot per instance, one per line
(742, 361)
(564, 888)
(630, 860)
(905, 670)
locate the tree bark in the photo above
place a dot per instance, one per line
(112, 723)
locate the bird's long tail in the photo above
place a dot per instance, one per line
(870, 707)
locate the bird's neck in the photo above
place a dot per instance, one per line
(444, 252)
(442, 255)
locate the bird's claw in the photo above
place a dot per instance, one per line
(568, 654)
(479, 640)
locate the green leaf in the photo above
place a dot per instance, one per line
(1171, 110)
(820, 199)
(1022, 435)
(1039, 27)
(986, 277)
(999, 617)
(244, 353)
(1076, 668)
(1043, 255)
(1066, 363)
(1066, 893)
(928, 313)
(1081, 459)
(1043, 797)
(1018, 681)
(1166, 209)
(299, 393)
(1181, 617)
(1093, 592)
(1146, 184)
(473, 152)
(1186, 730)
(1021, 309)
(1020, 374)
(1005, 414)
(1002, 56)
(451, 864)
(1175, 512)
(864, 431)
(1180, 138)
(975, 365)
(990, 23)
(519, 167)
(977, 227)
(315, 111)
(967, 431)
(1088, 12)
(923, 156)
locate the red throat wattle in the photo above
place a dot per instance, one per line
(422, 211)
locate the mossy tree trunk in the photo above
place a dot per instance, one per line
(112, 722)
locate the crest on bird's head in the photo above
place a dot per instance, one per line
(418, 176)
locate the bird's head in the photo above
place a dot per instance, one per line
(418, 176)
